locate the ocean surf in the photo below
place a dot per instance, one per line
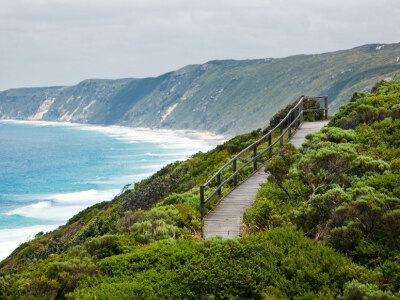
(50, 171)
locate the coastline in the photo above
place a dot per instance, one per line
(12, 238)
(208, 137)
(178, 142)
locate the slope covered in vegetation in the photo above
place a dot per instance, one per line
(343, 187)
(196, 96)
(324, 226)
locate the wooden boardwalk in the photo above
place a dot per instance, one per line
(308, 127)
(226, 219)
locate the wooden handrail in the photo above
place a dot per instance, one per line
(292, 123)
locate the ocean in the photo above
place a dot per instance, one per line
(50, 171)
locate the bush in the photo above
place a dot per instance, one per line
(68, 274)
(104, 246)
(334, 135)
(280, 263)
(370, 217)
(355, 290)
(315, 216)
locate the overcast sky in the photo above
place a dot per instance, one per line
(61, 42)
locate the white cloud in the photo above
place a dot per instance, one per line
(48, 42)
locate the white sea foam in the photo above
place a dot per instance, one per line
(153, 167)
(171, 139)
(58, 213)
(41, 204)
(121, 180)
(12, 238)
(84, 197)
(60, 207)
(176, 154)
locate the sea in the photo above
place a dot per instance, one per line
(50, 171)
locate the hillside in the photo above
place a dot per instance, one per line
(325, 225)
(226, 97)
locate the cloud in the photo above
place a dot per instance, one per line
(54, 42)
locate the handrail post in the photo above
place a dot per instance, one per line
(219, 183)
(202, 212)
(234, 171)
(255, 159)
(290, 126)
(326, 107)
(298, 117)
(301, 111)
(269, 145)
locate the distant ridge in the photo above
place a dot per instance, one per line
(223, 96)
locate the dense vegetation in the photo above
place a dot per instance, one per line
(326, 225)
(343, 187)
(196, 96)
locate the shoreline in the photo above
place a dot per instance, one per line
(186, 142)
(12, 238)
(209, 138)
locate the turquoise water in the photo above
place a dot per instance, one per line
(50, 171)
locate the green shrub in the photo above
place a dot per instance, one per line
(334, 134)
(69, 273)
(280, 263)
(355, 290)
(104, 246)
(315, 216)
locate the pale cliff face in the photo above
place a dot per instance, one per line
(43, 109)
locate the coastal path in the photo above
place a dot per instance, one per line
(225, 219)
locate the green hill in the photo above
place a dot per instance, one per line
(226, 97)
(333, 232)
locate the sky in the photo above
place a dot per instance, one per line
(61, 42)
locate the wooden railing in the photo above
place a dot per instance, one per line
(290, 122)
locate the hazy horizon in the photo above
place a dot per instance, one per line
(59, 42)
(160, 74)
